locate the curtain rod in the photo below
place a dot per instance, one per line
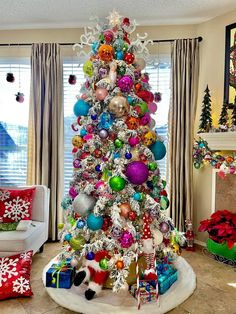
(71, 44)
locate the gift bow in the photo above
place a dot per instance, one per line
(57, 269)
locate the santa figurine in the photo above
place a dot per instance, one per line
(95, 273)
(148, 249)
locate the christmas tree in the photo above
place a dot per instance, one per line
(223, 121)
(205, 119)
(114, 211)
(234, 113)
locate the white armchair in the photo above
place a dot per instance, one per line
(14, 242)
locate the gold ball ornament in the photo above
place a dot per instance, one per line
(119, 106)
(77, 141)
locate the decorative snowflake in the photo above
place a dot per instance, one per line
(7, 269)
(25, 255)
(114, 18)
(4, 195)
(21, 285)
(18, 209)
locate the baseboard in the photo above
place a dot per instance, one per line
(200, 242)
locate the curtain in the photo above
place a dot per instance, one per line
(46, 134)
(185, 68)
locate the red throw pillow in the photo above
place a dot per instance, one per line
(16, 205)
(15, 276)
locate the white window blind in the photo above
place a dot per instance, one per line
(159, 78)
(14, 122)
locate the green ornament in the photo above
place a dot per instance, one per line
(125, 48)
(60, 226)
(118, 143)
(88, 68)
(164, 202)
(143, 195)
(103, 263)
(197, 165)
(77, 243)
(143, 106)
(152, 166)
(117, 183)
(121, 69)
(164, 183)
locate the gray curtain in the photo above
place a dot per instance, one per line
(185, 68)
(46, 134)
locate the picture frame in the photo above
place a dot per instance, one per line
(230, 66)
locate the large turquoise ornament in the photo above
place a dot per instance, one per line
(81, 108)
(94, 222)
(158, 149)
(117, 183)
(105, 120)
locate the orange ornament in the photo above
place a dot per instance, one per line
(125, 208)
(229, 159)
(106, 52)
(132, 123)
(138, 87)
(119, 264)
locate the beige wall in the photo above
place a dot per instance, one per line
(212, 73)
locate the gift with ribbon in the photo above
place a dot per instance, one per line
(167, 275)
(147, 290)
(60, 275)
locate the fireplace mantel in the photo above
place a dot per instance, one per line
(220, 140)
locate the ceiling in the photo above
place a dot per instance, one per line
(25, 14)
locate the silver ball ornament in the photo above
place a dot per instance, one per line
(83, 204)
(103, 133)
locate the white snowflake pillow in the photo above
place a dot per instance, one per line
(16, 205)
(15, 276)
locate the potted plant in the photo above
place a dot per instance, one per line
(221, 228)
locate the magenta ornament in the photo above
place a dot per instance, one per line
(76, 163)
(126, 239)
(137, 172)
(152, 107)
(145, 119)
(125, 83)
(72, 191)
(133, 141)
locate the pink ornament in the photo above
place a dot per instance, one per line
(101, 93)
(90, 128)
(99, 184)
(232, 170)
(133, 141)
(145, 119)
(76, 163)
(72, 191)
(152, 107)
(88, 137)
(83, 96)
(137, 172)
(125, 83)
(126, 239)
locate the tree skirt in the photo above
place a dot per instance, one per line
(123, 303)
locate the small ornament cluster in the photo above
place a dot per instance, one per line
(116, 188)
(11, 79)
(203, 155)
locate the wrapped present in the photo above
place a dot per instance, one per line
(167, 275)
(147, 290)
(60, 275)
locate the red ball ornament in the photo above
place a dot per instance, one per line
(163, 193)
(145, 95)
(112, 136)
(126, 21)
(129, 58)
(84, 155)
(132, 216)
(107, 222)
(97, 153)
(143, 157)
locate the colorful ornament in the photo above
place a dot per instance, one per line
(129, 57)
(76, 163)
(72, 191)
(164, 227)
(90, 256)
(158, 149)
(118, 106)
(125, 208)
(132, 123)
(83, 204)
(72, 79)
(117, 183)
(88, 68)
(94, 223)
(146, 95)
(81, 108)
(164, 202)
(101, 93)
(119, 264)
(103, 133)
(103, 264)
(67, 237)
(108, 36)
(133, 141)
(125, 83)
(77, 141)
(77, 243)
(137, 172)
(105, 52)
(149, 138)
(152, 166)
(81, 224)
(66, 202)
(121, 69)
(105, 120)
(132, 215)
(128, 155)
(118, 143)
(126, 239)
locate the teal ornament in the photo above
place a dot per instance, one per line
(158, 149)
(67, 237)
(119, 55)
(202, 145)
(116, 155)
(81, 108)
(66, 202)
(105, 120)
(118, 44)
(137, 196)
(83, 132)
(95, 47)
(94, 223)
(130, 100)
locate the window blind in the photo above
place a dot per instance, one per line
(14, 122)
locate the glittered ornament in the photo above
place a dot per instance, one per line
(72, 191)
(129, 57)
(80, 224)
(141, 108)
(103, 264)
(72, 79)
(10, 77)
(97, 153)
(77, 243)
(125, 208)
(101, 93)
(83, 204)
(132, 215)
(66, 202)
(107, 222)
(126, 239)
(105, 52)
(149, 138)
(125, 83)
(144, 120)
(133, 141)
(119, 264)
(88, 68)
(116, 232)
(164, 202)
(118, 106)
(105, 120)
(117, 183)
(108, 36)
(132, 123)
(164, 227)
(94, 222)
(137, 172)
(90, 256)
(158, 149)
(76, 163)
(118, 143)
(81, 108)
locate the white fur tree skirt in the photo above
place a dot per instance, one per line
(123, 303)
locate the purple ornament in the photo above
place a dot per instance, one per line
(164, 227)
(72, 191)
(76, 163)
(103, 133)
(126, 239)
(145, 119)
(137, 172)
(125, 83)
(116, 232)
(103, 72)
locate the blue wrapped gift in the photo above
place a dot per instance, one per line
(167, 275)
(60, 275)
(147, 290)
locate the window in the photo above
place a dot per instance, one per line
(159, 78)
(14, 122)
